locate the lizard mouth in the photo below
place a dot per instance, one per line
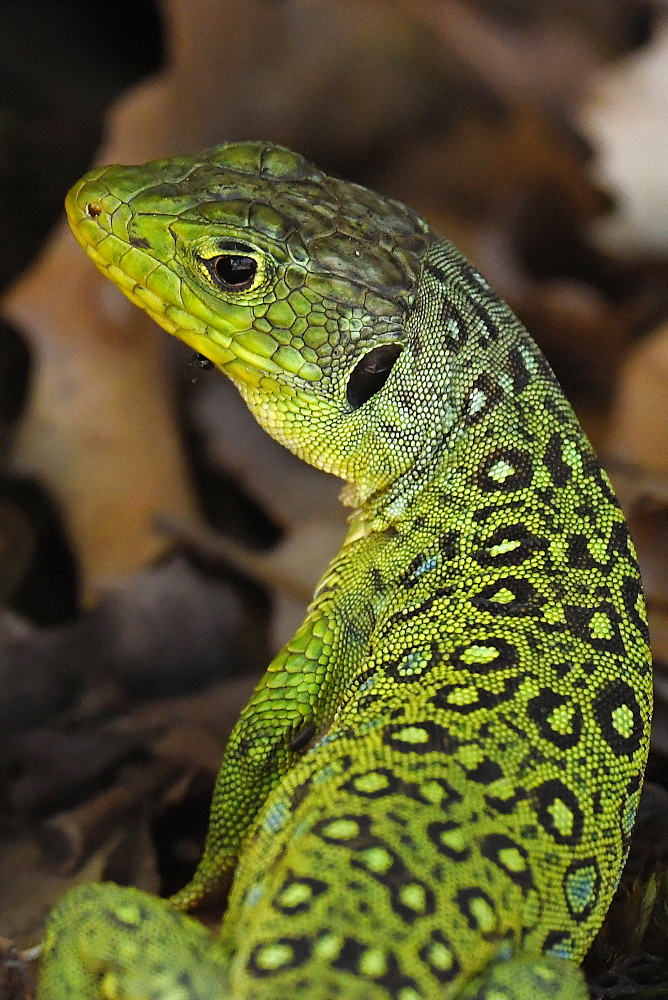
(155, 288)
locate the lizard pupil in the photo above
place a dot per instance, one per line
(370, 373)
(233, 271)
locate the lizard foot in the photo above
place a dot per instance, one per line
(104, 941)
(528, 979)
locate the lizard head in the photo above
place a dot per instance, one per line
(297, 285)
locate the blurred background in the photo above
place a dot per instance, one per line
(156, 548)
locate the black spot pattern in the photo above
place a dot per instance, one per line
(629, 807)
(449, 839)
(294, 951)
(505, 470)
(511, 857)
(592, 469)
(559, 944)
(632, 594)
(506, 806)
(465, 699)
(579, 554)
(374, 784)
(489, 654)
(350, 830)
(509, 546)
(441, 958)
(557, 717)
(413, 664)
(422, 563)
(596, 626)
(618, 715)
(560, 471)
(393, 980)
(558, 811)
(485, 772)
(297, 893)
(448, 544)
(582, 884)
(519, 373)
(422, 737)
(129, 924)
(456, 328)
(511, 596)
(479, 910)
(482, 397)
(484, 320)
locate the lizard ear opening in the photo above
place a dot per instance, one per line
(370, 373)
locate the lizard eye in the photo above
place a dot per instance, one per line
(234, 266)
(370, 373)
(233, 272)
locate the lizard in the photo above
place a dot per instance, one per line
(431, 791)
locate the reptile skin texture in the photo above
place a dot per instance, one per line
(431, 792)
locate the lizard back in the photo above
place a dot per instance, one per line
(474, 795)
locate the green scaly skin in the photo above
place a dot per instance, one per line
(431, 792)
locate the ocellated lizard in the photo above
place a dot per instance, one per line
(431, 792)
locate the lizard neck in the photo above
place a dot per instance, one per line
(488, 423)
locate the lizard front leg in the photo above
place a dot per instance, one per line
(292, 705)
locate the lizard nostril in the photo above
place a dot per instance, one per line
(93, 210)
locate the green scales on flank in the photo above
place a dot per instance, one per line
(431, 792)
